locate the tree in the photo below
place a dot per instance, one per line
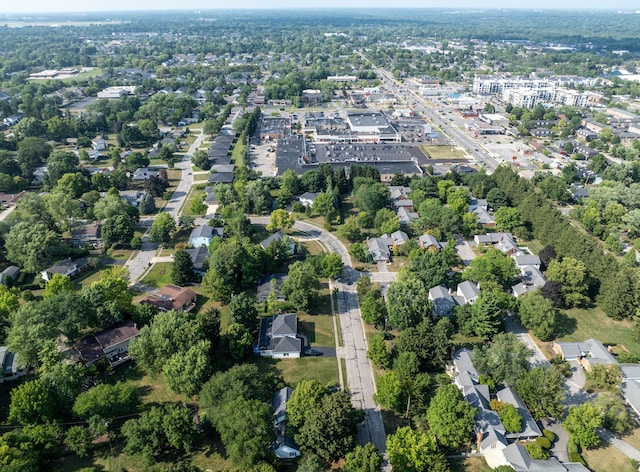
(412, 451)
(330, 427)
(538, 314)
(246, 430)
(505, 360)
(363, 459)
(168, 427)
(279, 220)
(243, 310)
(484, 318)
(378, 351)
(373, 308)
(79, 439)
(582, 422)
(511, 418)
(201, 159)
(182, 268)
(305, 396)
(332, 265)
(116, 230)
(32, 246)
(107, 401)
(572, 275)
(508, 218)
(497, 199)
(240, 341)
(407, 303)
(371, 197)
(430, 266)
(492, 266)
(350, 229)
(311, 463)
(58, 283)
(553, 291)
(60, 163)
(186, 371)
(301, 285)
(450, 417)
(615, 415)
(324, 205)
(162, 228)
(30, 404)
(542, 390)
(32, 152)
(147, 204)
(391, 391)
(618, 293)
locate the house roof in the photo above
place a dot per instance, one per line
(220, 178)
(468, 290)
(527, 260)
(198, 256)
(399, 237)
(592, 350)
(86, 232)
(530, 427)
(171, 297)
(311, 196)
(284, 325)
(405, 216)
(403, 203)
(10, 272)
(264, 289)
(287, 344)
(279, 400)
(143, 173)
(203, 231)
(223, 168)
(521, 461)
(483, 216)
(117, 334)
(440, 294)
(491, 238)
(463, 361)
(61, 266)
(378, 248)
(428, 240)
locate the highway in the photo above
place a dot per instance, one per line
(455, 135)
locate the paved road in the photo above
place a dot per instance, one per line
(512, 325)
(359, 372)
(623, 446)
(7, 212)
(143, 259)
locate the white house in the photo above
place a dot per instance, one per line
(307, 199)
(284, 447)
(278, 337)
(202, 235)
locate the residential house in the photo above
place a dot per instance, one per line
(202, 235)
(9, 275)
(65, 267)
(530, 429)
(307, 199)
(172, 297)
(405, 216)
(399, 238)
(532, 279)
(399, 192)
(143, 173)
(87, 235)
(284, 447)
(111, 344)
(523, 260)
(199, 257)
(428, 241)
(99, 144)
(403, 203)
(588, 353)
(631, 385)
(271, 283)
(278, 236)
(210, 200)
(11, 370)
(222, 168)
(220, 178)
(507, 245)
(578, 192)
(490, 239)
(541, 132)
(480, 208)
(443, 302)
(132, 197)
(468, 292)
(278, 337)
(379, 248)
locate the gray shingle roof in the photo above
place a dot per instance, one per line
(284, 325)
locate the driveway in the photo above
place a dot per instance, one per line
(512, 325)
(464, 251)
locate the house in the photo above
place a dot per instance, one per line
(490, 239)
(530, 429)
(223, 168)
(278, 337)
(399, 192)
(399, 238)
(428, 241)
(132, 197)
(199, 257)
(541, 132)
(405, 216)
(523, 260)
(64, 267)
(278, 236)
(443, 302)
(483, 217)
(379, 248)
(172, 297)
(468, 292)
(283, 447)
(202, 235)
(11, 370)
(87, 235)
(220, 178)
(307, 199)
(143, 173)
(99, 144)
(271, 283)
(407, 204)
(111, 344)
(9, 275)
(578, 192)
(532, 279)
(588, 353)
(507, 245)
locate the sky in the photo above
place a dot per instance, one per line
(51, 6)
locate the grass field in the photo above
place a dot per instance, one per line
(470, 464)
(443, 152)
(239, 151)
(317, 328)
(159, 275)
(322, 369)
(592, 322)
(194, 195)
(607, 459)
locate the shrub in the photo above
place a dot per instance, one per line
(572, 447)
(536, 451)
(543, 443)
(550, 435)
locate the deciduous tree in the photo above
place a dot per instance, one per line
(582, 422)
(411, 451)
(450, 417)
(506, 359)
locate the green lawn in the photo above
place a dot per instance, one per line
(239, 151)
(593, 323)
(159, 275)
(606, 459)
(470, 464)
(194, 195)
(318, 329)
(442, 152)
(322, 369)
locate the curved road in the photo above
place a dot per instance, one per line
(360, 379)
